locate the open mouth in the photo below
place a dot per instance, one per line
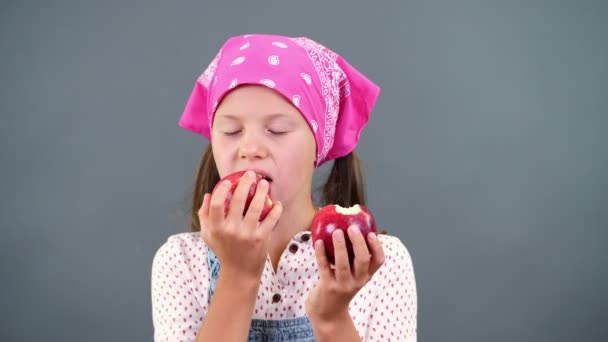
(266, 178)
(263, 174)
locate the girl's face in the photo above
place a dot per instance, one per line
(255, 127)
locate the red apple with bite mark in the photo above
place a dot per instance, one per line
(234, 179)
(332, 217)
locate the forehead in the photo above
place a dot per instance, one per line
(255, 101)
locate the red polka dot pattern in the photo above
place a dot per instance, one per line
(385, 309)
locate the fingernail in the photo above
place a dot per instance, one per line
(372, 236)
(263, 182)
(339, 234)
(250, 173)
(353, 229)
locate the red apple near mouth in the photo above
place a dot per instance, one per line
(332, 217)
(234, 179)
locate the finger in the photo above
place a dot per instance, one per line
(203, 211)
(343, 273)
(362, 254)
(377, 252)
(217, 204)
(203, 214)
(239, 198)
(270, 221)
(325, 271)
(252, 216)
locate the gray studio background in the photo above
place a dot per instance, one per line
(486, 154)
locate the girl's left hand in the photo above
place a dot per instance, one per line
(330, 298)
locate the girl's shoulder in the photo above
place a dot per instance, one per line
(396, 254)
(184, 240)
(181, 248)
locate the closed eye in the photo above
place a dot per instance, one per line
(231, 133)
(278, 132)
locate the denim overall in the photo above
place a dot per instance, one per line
(288, 330)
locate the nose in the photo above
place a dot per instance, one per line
(252, 147)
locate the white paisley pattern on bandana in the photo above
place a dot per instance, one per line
(205, 80)
(334, 86)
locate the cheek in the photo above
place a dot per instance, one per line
(306, 146)
(220, 158)
(297, 169)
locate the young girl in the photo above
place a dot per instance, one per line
(280, 106)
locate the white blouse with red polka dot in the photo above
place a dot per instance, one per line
(385, 309)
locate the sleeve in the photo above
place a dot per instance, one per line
(394, 313)
(180, 284)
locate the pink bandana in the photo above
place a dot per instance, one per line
(334, 98)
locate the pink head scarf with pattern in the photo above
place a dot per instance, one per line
(334, 98)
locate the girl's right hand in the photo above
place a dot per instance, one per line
(239, 242)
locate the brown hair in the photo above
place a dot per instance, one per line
(344, 185)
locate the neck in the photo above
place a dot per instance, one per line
(296, 217)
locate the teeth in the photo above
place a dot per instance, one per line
(265, 177)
